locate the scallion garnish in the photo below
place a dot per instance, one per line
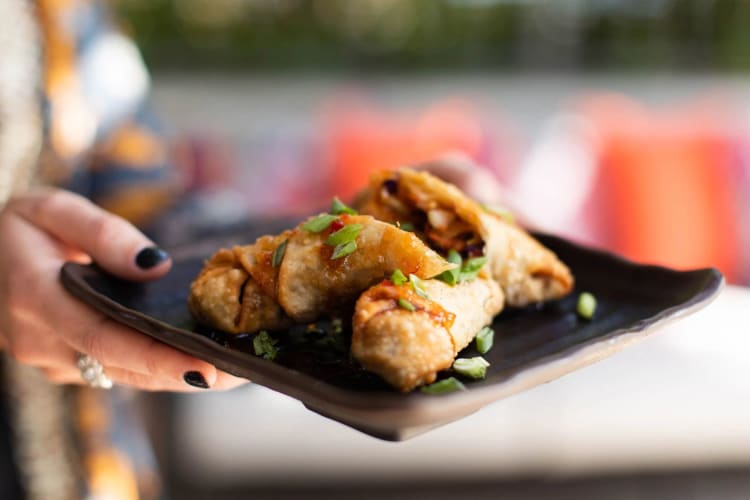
(471, 267)
(344, 235)
(336, 338)
(338, 208)
(451, 276)
(264, 345)
(418, 287)
(586, 306)
(485, 338)
(405, 304)
(344, 249)
(319, 223)
(337, 326)
(405, 226)
(475, 367)
(398, 277)
(465, 270)
(450, 384)
(278, 254)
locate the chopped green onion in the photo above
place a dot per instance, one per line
(398, 277)
(450, 384)
(319, 223)
(405, 304)
(586, 306)
(455, 258)
(337, 325)
(465, 270)
(447, 277)
(344, 235)
(451, 275)
(336, 338)
(278, 254)
(485, 338)
(418, 286)
(474, 264)
(343, 250)
(471, 267)
(264, 345)
(405, 226)
(475, 367)
(338, 208)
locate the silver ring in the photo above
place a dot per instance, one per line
(92, 372)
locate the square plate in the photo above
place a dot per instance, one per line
(532, 345)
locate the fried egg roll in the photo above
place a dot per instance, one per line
(305, 273)
(407, 338)
(225, 296)
(446, 219)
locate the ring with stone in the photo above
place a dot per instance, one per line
(92, 372)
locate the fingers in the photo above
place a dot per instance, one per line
(111, 241)
(226, 381)
(480, 184)
(119, 376)
(115, 345)
(123, 377)
(40, 350)
(155, 367)
(43, 326)
(475, 181)
(59, 361)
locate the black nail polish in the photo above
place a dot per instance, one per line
(150, 256)
(195, 379)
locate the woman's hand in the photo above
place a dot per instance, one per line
(479, 184)
(460, 170)
(42, 325)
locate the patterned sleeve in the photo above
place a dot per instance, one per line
(102, 139)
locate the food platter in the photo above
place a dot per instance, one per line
(533, 345)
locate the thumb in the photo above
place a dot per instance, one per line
(111, 241)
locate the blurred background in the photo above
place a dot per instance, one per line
(620, 124)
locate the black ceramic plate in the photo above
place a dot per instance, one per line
(532, 346)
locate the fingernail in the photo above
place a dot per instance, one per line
(150, 257)
(195, 379)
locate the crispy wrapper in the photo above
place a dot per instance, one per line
(241, 290)
(224, 296)
(447, 219)
(408, 348)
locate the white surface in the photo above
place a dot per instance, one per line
(679, 398)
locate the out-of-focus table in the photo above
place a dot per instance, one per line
(677, 400)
